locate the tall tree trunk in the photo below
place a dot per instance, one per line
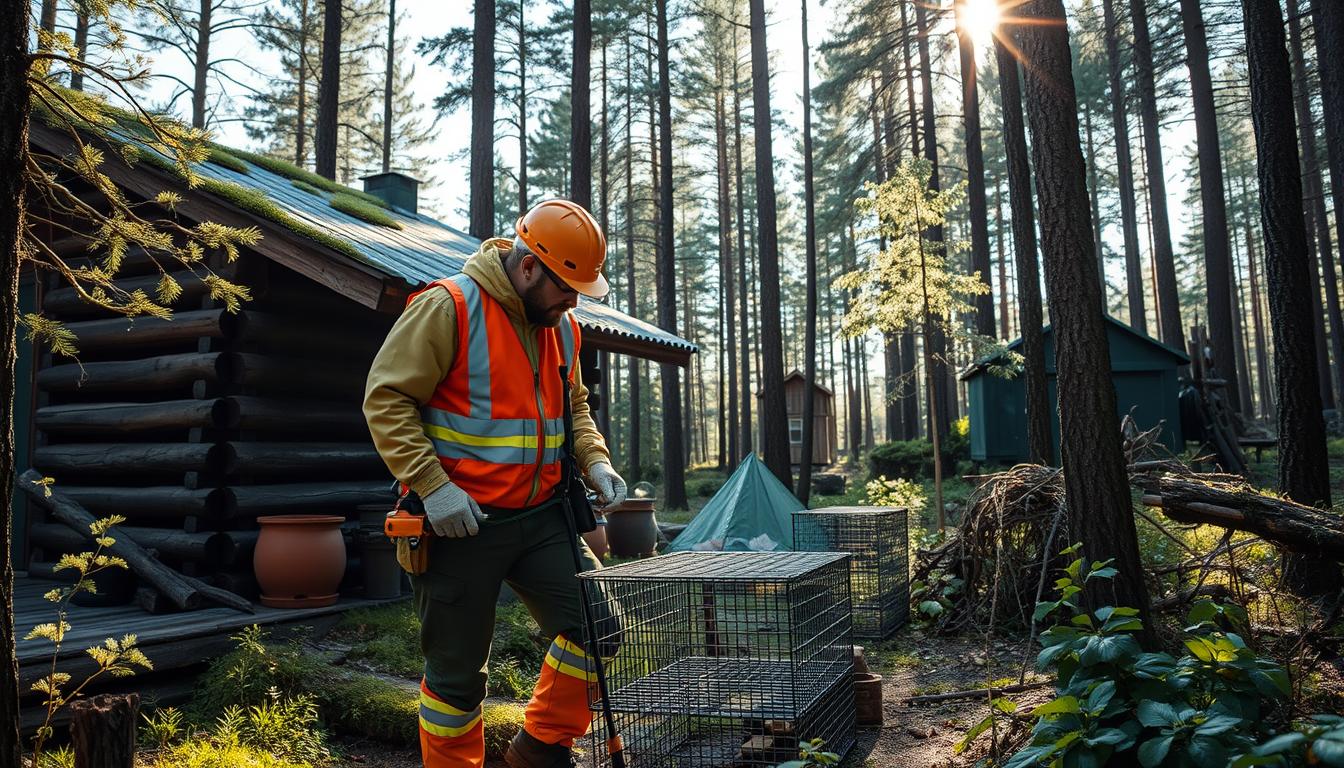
(891, 371)
(301, 112)
(387, 83)
(1124, 168)
(201, 64)
(1005, 319)
(482, 204)
(810, 333)
(522, 108)
(14, 104)
(744, 423)
(975, 176)
(941, 409)
(729, 274)
(674, 479)
(81, 49)
(634, 469)
(1030, 313)
(1217, 263)
(774, 415)
(580, 118)
(1304, 468)
(1315, 193)
(1168, 301)
(1267, 408)
(47, 20)
(329, 90)
(1239, 336)
(1095, 481)
(1328, 21)
(604, 219)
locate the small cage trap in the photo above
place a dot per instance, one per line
(878, 540)
(725, 659)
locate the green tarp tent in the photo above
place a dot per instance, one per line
(752, 511)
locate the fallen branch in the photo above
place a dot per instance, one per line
(974, 693)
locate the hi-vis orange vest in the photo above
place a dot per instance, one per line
(496, 423)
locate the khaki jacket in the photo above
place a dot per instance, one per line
(417, 355)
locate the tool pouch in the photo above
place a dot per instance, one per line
(576, 500)
(412, 553)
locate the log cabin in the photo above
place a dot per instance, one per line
(193, 427)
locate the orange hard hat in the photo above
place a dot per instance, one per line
(569, 242)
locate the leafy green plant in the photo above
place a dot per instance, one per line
(162, 728)
(810, 754)
(286, 727)
(934, 599)
(1116, 702)
(508, 679)
(883, 492)
(1318, 740)
(117, 658)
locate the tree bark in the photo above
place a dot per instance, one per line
(14, 104)
(329, 90)
(1095, 479)
(387, 84)
(522, 108)
(744, 423)
(774, 418)
(1168, 301)
(1314, 189)
(1217, 261)
(1304, 469)
(674, 479)
(810, 333)
(580, 115)
(728, 273)
(81, 49)
(201, 65)
(1328, 21)
(103, 729)
(482, 201)
(301, 110)
(1125, 173)
(1261, 338)
(1030, 311)
(940, 406)
(1094, 187)
(634, 469)
(975, 177)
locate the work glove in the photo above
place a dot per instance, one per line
(452, 513)
(609, 485)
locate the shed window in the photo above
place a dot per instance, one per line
(796, 431)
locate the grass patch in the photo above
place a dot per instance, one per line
(222, 157)
(387, 638)
(306, 187)
(354, 206)
(502, 723)
(208, 753)
(934, 689)
(295, 173)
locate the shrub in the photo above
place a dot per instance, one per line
(252, 673)
(518, 637)
(509, 680)
(386, 637)
(913, 459)
(286, 727)
(896, 493)
(371, 707)
(703, 488)
(206, 753)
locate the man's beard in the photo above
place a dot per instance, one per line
(541, 314)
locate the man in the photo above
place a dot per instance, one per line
(465, 405)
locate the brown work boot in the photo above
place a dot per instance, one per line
(526, 751)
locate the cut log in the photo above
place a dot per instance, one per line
(212, 549)
(337, 497)
(102, 730)
(299, 417)
(129, 418)
(286, 375)
(151, 374)
(1295, 527)
(171, 583)
(166, 502)
(131, 333)
(974, 693)
(98, 459)
(266, 459)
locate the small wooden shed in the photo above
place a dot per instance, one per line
(823, 420)
(1143, 370)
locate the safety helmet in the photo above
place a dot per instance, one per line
(566, 238)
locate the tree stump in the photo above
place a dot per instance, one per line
(102, 730)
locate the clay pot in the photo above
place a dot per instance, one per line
(868, 699)
(299, 560)
(597, 539)
(632, 529)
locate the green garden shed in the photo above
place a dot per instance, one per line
(1143, 369)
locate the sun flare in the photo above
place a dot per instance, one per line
(981, 19)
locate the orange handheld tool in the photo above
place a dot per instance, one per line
(401, 524)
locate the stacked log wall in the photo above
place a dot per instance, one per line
(194, 427)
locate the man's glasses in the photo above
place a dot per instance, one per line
(561, 284)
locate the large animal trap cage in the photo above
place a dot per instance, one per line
(724, 658)
(878, 540)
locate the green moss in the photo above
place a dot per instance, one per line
(257, 203)
(347, 203)
(305, 186)
(295, 173)
(502, 722)
(220, 156)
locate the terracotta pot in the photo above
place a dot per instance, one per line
(597, 539)
(868, 698)
(299, 560)
(632, 529)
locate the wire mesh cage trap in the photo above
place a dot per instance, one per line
(878, 540)
(724, 658)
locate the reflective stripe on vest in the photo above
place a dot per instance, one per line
(470, 431)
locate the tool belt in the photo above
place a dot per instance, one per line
(413, 552)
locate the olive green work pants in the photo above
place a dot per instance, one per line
(456, 595)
